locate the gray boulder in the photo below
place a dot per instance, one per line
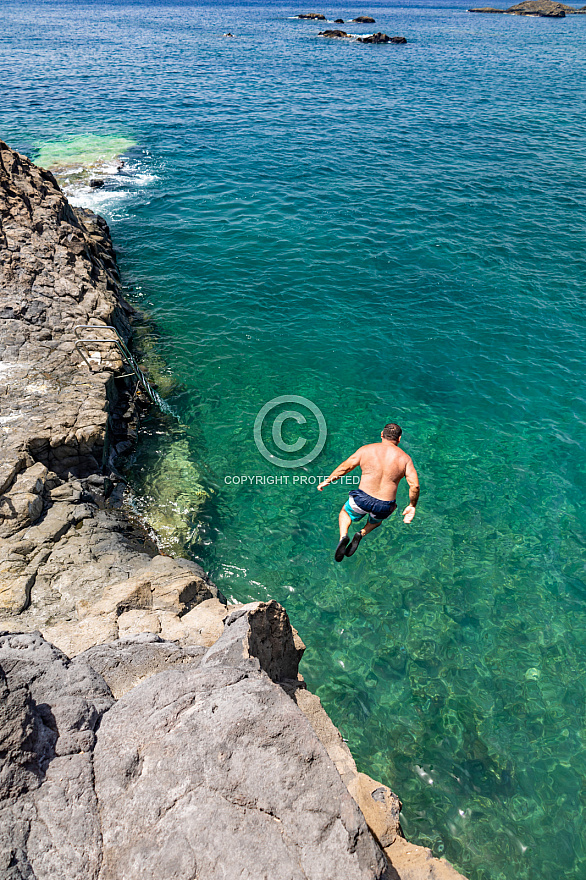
(193, 755)
(126, 662)
(215, 773)
(50, 708)
(260, 635)
(204, 768)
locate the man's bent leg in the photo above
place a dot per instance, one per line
(344, 521)
(353, 546)
(369, 527)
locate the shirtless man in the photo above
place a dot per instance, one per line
(383, 467)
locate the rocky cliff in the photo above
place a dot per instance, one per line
(146, 729)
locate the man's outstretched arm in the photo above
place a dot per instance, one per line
(342, 469)
(413, 481)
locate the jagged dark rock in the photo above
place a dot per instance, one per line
(373, 38)
(381, 38)
(96, 182)
(260, 631)
(537, 8)
(339, 21)
(335, 34)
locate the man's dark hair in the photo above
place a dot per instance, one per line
(392, 431)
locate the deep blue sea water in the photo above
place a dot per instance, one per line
(395, 233)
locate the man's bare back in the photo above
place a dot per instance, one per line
(383, 466)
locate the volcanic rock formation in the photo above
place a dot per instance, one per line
(536, 8)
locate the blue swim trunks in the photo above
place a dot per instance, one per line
(359, 504)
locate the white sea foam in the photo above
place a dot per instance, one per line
(122, 187)
(75, 161)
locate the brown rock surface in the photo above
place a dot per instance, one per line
(57, 270)
(411, 862)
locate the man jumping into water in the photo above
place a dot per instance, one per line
(383, 467)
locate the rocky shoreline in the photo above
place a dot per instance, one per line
(147, 729)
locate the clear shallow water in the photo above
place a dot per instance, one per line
(393, 232)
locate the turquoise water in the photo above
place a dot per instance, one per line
(394, 233)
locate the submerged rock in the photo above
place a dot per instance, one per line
(312, 16)
(364, 19)
(96, 182)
